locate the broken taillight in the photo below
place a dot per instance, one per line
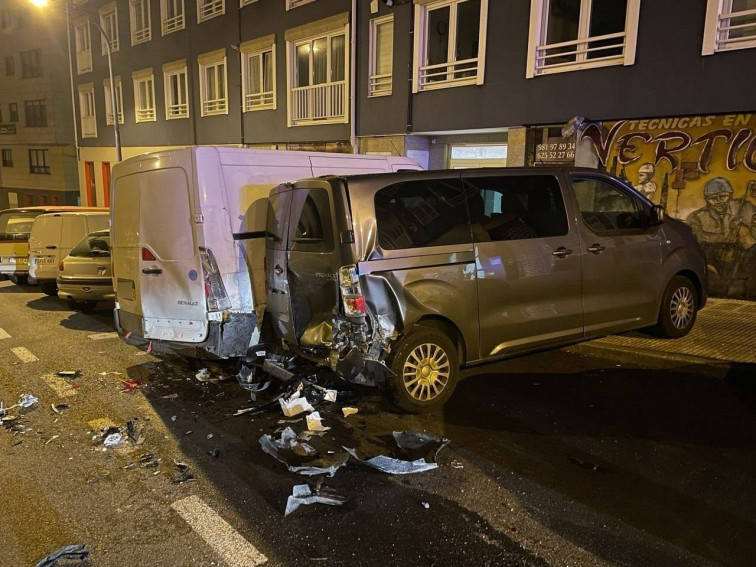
(148, 256)
(351, 292)
(61, 266)
(215, 291)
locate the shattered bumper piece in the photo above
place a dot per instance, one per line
(288, 442)
(302, 495)
(79, 552)
(390, 465)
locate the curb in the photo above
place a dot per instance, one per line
(644, 356)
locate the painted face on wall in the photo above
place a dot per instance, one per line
(719, 201)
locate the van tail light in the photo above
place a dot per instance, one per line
(148, 256)
(351, 292)
(215, 291)
(61, 266)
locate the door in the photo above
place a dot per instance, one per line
(44, 245)
(89, 181)
(157, 270)
(105, 184)
(527, 263)
(621, 256)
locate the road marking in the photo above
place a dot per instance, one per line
(60, 386)
(4, 334)
(101, 336)
(24, 355)
(218, 534)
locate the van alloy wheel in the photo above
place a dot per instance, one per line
(678, 309)
(426, 372)
(681, 307)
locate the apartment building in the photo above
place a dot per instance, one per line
(662, 89)
(37, 144)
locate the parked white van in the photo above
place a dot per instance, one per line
(53, 236)
(188, 241)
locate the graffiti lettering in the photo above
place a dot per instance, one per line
(593, 131)
(750, 156)
(663, 152)
(737, 142)
(624, 146)
(709, 138)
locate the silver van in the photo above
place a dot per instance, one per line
(408, 276)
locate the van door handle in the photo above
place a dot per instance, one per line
(51, 247)
(278, 270)
(561, 252)
(596, 249)
(152, 271)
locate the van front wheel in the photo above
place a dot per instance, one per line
(426, 368)
(678, 309)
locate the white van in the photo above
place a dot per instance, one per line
(188, 244)
(53, 236)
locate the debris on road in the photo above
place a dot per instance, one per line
(113, 440)
(426, 505)
(131, 385)
(347, 411)
(78, 551)
(302, 495)
(68, 373)
(51, 439)
(57, 407)
(411, 444)
(214, 453)
(395, 466)
(203, 375)
(184, 475)
(26, 401)
(295, 405)
(314, 422)
(287, 451)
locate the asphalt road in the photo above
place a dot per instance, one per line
(555, 459)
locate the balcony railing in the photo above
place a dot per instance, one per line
(84, 61)
(318, 103)
(214, 106)
(257, 101)
(89, 126)
(210, 9)
(736, 30)
(579, 53)
(379, 85)
(462, 72)
(178, 110)
(145, 114)
(109, 118)
(173, 24)
(141, 35)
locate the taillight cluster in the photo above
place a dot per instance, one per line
(351, 292)
(215, 291)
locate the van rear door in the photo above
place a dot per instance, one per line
(304, 256)
(44, 241)
(157, 269)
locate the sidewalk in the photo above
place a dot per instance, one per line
(725, 331)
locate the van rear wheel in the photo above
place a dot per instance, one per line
(50, 289)
(678, 309)
(425, 364)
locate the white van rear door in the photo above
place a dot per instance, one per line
(157, 270)
(43, 243)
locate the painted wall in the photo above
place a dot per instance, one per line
(702, 170)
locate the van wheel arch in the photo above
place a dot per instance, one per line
(446, 326)
(694, 279)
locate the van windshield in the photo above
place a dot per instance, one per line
(93, 245)
(16, 225)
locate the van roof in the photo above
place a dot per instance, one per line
(429, 174)
(54, 209)
(76, 213)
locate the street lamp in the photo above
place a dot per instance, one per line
(116, 130)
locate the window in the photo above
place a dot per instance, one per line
(463, 156)
(450, 42)
(417, 214)
(245, 2)
(87, 111)
(296, 3)
(38, 162)
(381, 56)
(207, 9)
(176, 90)
(144, 95)
(605, 207)
(36, 113)
(569, 35)
(10, 69)
(83, 48)
(516, 207)
(109, 24)
(31, 64)
(7, 158)
(310, 229)
(318, 79)
(109, 102)
(730, 24)
(259, 74)
(172, 16)
(13, 111)
(139, 12)
(213, 95)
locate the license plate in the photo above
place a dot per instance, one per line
(11, 260)
(45, 260)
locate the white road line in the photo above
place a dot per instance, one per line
(4, 334)
(58, 385)
(101, 336)
(218, 534)
(24, 355)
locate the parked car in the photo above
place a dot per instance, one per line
(53, 235)
(188, 241)
(412, 275)
(85, 275)
(15, 228)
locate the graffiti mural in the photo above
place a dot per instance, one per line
(702, 170)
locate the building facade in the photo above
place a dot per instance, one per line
(37, 144)
(662, 89)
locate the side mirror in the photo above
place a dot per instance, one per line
(656, 216)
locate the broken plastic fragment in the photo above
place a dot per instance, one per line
(347, 411)
(184, 474)
(302, 495)
(131, 385)
(277, 371)
(27, 400)
(395, 466)
(113, 440)
(426, 505)
(203, 375)
(314, 422)
(68, 373)
(330, 395)
(79, 552)
(288, 441)
(295, 405)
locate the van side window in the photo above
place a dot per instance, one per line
(310, 223)
(418, 214)
(605, 207)
(517, 207)
(277, 220)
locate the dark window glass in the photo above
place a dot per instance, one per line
(13, 111)
(93, 245)
(10, 68)
(310, 227)
(31, 64)
(416, 214)
(7, 158)
(277, 220)
(16, 225)
(605, 207)
(438, 40)
(607, 17)
(516, 207)
(36, 113)
(38, 162)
